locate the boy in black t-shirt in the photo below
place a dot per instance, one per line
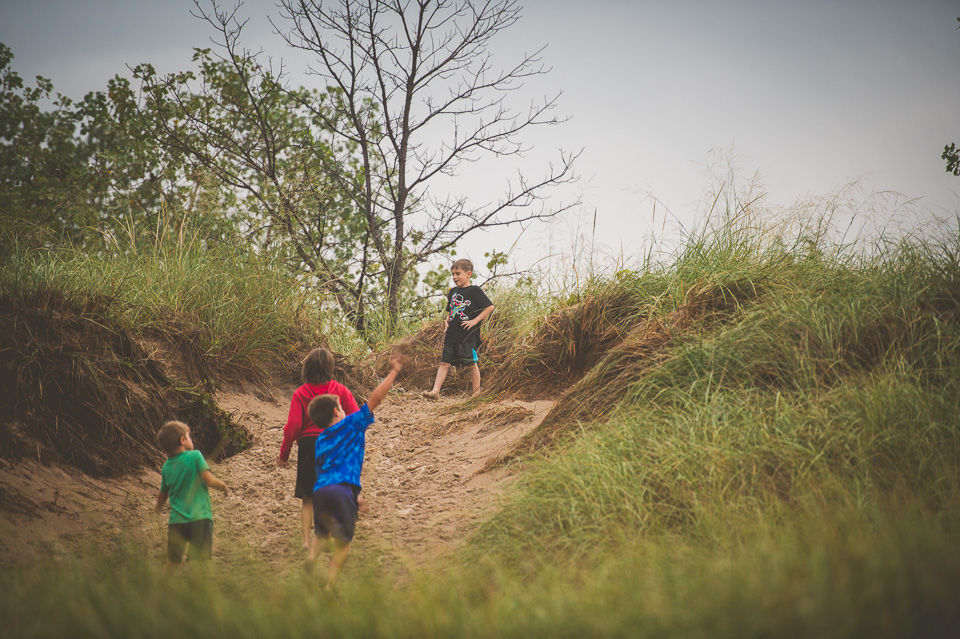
(467, 306)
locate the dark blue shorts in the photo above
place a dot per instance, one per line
(459, 353)
(199, 534)
(335, 511)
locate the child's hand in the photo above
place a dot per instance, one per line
(398, 356)
(282, 463)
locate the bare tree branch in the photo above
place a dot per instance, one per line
(412, 94)
(403, 65)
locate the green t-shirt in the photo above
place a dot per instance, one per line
(180, 479)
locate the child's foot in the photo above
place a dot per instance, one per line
(431, 394)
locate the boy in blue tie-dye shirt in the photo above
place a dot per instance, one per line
(339, 454)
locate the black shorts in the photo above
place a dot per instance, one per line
(335, 511)
(199, 534)
(459, 353)
(306, 466)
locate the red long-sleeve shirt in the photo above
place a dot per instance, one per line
(298, 420)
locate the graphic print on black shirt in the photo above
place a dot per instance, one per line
(464, 304)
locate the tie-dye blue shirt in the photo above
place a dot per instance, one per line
(340, 448)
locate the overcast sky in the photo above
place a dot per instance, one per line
(807, 94)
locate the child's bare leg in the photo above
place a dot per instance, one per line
(317, 544)
(475, 379)
(176, 552)
(441, 375)
(306, 521)
(340, 551)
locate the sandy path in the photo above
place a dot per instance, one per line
(421, 478)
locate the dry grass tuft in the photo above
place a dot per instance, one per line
(359, 378)
(593, 396)
(568, 343)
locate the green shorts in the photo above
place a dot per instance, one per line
(199, 536)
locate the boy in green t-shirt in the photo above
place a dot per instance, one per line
(185, 478)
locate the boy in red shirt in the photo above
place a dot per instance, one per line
(316, 377)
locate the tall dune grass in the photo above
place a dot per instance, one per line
(787, 467)
(237, 308)
(835, 386)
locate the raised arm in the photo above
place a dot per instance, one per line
(380, 392)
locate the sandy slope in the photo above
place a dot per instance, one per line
(422, 479)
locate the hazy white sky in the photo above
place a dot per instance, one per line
(808, 94)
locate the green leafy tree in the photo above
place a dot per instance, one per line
(235, 121)
(40, 158)
(82, 168)
(411, 98)
(951, 153)
(132, 177)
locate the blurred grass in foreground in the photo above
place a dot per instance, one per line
(830, 575)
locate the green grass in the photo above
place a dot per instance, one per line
(238, 309)
(829, 575)
(789, 468)
(825, 382)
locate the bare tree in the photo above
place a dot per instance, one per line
(420, 98)
(411, 95)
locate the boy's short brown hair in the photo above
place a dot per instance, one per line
(464, 265)
(318, 367)
(321, 409)
(169, 436)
